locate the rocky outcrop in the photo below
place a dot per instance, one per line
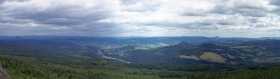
(3, 74)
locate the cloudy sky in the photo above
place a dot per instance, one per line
(227, 18)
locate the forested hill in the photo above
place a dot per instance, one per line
(139, 58)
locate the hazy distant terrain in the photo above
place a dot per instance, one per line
(140, 58)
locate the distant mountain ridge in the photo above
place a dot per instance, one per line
(241, 53)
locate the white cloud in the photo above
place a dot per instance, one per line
(140, 17)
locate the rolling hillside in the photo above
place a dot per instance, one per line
(72, 58)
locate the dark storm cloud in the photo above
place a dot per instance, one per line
(18, 17)
(245, 11)
(275, 2)
(258, 8)
(64, 16)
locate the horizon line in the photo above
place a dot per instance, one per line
(132, 36)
